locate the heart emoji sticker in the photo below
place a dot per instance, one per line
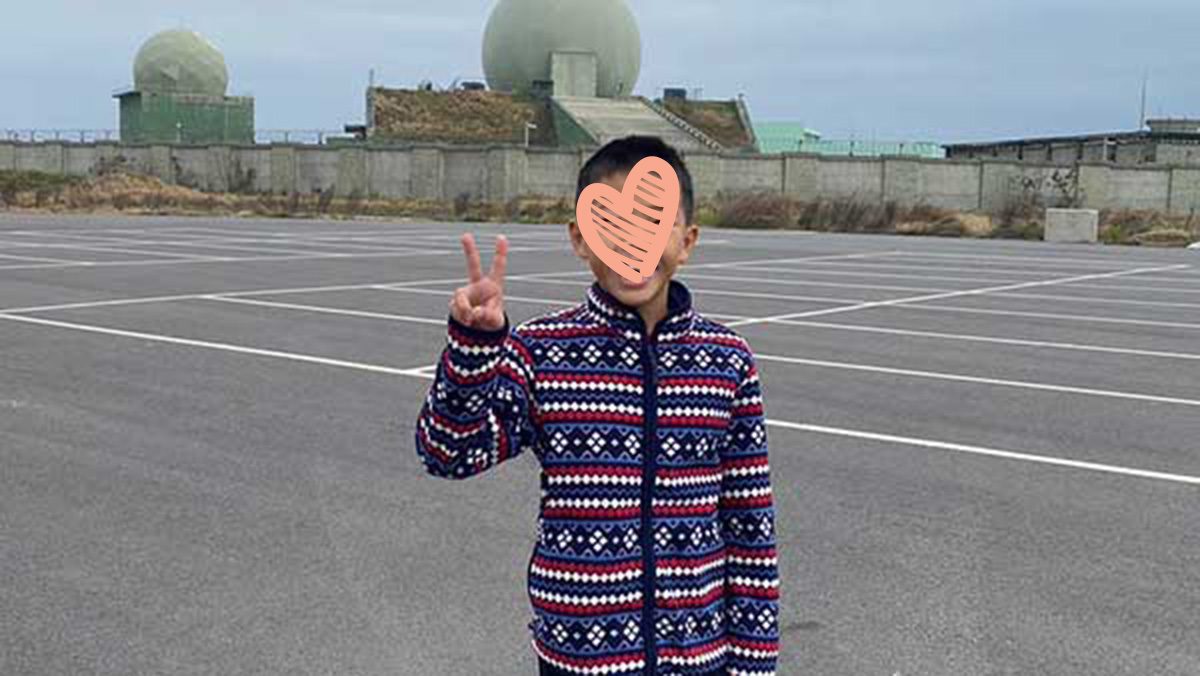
(628, 230)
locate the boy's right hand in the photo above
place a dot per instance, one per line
(480, 304)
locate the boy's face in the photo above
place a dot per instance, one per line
(679, 248)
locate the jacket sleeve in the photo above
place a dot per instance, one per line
(480, 409)
(747, 517)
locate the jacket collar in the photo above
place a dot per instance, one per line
(606, 309)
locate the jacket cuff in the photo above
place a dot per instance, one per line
(485, 337)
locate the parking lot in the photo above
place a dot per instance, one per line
(985, 455)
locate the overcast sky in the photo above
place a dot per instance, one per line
(922, 69)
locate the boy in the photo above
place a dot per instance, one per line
(655, 551)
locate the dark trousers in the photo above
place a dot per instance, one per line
(547, 669)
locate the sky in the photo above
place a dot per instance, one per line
(932, 70)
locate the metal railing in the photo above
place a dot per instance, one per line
(64, 135)
(297, 136)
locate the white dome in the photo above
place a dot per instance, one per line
(180, 61)
(522, 34)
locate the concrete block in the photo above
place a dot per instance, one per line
(1185, 190)
(506, 169)
(464, 174)
(707, 178)
(762, 174)
(78, 160)
(351, 173)
(162, 164)
(855, 179)
(1072, 225)
(283, 170)
(8, 156)
(1001, 186)
(800, 177)
(551, 173)
(317, 169)
(948, 185)
(428, 173)
(389, 173)
(1140, 188)
(1095, 186)
(902, 181)
(44, 157)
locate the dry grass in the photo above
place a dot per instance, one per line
(718, 119)
(33, 187)
(459, 117)
(765, 210)
(139, 194)
(1147, 228)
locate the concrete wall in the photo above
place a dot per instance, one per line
(851, 178)
(551, 173)
(946, 184)
(500, 173)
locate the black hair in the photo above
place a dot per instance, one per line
(623, 154)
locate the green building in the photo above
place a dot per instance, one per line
(789, 137)
(178, 95)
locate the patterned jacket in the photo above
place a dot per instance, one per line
(656, 526)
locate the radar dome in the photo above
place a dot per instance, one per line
(522, 34)
(180, 62)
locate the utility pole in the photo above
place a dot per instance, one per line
(1145, 85)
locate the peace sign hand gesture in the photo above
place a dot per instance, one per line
(480, 304)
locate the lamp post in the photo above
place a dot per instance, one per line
(529, 126)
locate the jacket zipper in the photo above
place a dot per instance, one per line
(650, 459)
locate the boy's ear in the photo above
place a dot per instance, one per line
(691, 235)
(577, 242)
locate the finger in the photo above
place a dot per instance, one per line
(474, 268)
(492, 319)
(482, 291)
(461, 307)
(500, 262)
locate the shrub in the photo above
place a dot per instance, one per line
(756, 210)
(44, 186)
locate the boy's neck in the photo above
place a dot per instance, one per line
(655, 310)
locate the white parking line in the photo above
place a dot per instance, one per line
(988, 452)
(1052, 261)
(34, 259)
(954, 294)
(1100, 301)
(1047, 315)
(327, 310)
(686, 274)
(985, 280)
(928, 268)
(426, 372)
(976, 380)
(992, 339)
(446, 294)
(104, 248)
(401, 318)
(259, 259)
(886, 275)
(241, 349)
